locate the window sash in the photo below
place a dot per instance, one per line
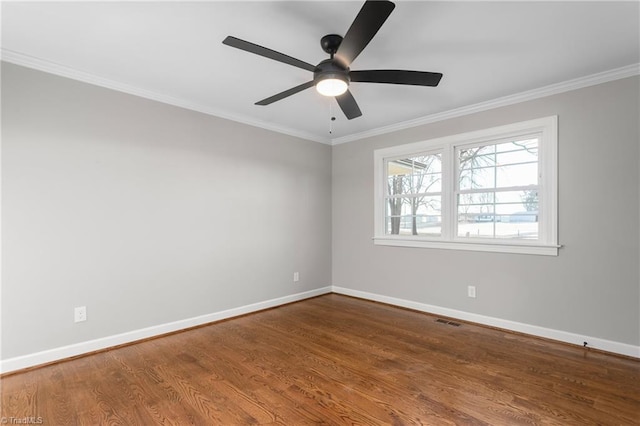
(420, 224)
(525, 230)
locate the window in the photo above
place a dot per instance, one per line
(414, 195)
(491, 190)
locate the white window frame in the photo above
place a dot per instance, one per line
(547, 242)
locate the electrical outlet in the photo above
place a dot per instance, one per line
(296, 277)
(80, 314)
(471, 291)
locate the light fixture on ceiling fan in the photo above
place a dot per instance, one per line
(331, 86)
(330, 77)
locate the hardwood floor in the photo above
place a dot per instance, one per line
(332, 360)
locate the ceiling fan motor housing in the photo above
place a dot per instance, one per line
(330, 68)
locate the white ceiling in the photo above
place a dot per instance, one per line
(173, 51)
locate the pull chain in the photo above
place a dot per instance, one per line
(331, 117)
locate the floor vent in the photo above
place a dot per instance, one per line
(443, 321)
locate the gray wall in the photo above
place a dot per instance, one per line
(146, 213)
(591, 288)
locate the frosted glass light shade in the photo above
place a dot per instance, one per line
(331, 87)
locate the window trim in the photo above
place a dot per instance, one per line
(547, 243)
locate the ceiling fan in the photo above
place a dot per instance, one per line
(332, 76)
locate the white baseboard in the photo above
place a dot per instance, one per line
(60, 353)
(56, 354)
(562, 336)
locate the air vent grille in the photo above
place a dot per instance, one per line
(444, 321)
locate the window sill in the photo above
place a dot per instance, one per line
(489, 246)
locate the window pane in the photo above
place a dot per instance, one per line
(399, 167)
(420, 174)
(482, 228)
(414, 216)
(396, 184)
(508, 214)
(526, 230)
(475, 208)
(476, 214)
(502, 165)
(394, 211)
(517, 175)
(475, 199)
(516, 202)
(398, 212)
(477, 178)
(530, 144)
(480, 156)
(427, 183)
(392, 225)
(516, 157)
(529, 200)
(428, 216)
(427, 163)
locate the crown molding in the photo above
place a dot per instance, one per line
(86, 77)
(553, 89)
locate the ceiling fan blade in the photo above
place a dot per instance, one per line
(286, 93)
(416, 78)
(267, 53)
(349, 105)
(369, 20)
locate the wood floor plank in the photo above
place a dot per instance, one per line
(332, 360)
